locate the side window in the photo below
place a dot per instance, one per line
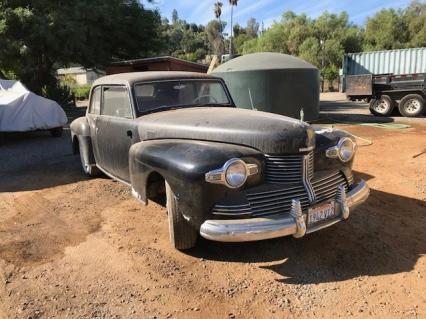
(116, 102)
(95, 103)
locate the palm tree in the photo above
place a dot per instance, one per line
(218, 9)
(218, 12)
(232, 3)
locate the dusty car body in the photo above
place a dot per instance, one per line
(228, 174)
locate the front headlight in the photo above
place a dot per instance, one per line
(344, 150)
(233, 173)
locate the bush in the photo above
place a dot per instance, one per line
(59, 93)
(81, 92)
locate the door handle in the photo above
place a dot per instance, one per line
(130, 134)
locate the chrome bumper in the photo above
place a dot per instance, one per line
(238, 230)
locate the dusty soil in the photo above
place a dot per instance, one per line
(71, 247)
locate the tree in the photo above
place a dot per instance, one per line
(214, 35)
(37, 36)
(237, 30)
(310, 50)
(415, 18)
(321, 41)
(218, 9)
(242, 35)
(175, 16)
(232, 3)
(252, 28)
(385, 31)
(218, 12)
(395, 29)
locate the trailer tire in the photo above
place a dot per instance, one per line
(383, 106)
(412, 105)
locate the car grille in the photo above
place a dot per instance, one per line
(287, 168)
(275, 202)
(325, 188)
(278, 200)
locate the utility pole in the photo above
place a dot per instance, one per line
(232, 33)
(232, 3)
(322, 63)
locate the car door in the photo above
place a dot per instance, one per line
(92, 116)
(116, 131)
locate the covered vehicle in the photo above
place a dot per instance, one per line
(226, 173)
(23, 111)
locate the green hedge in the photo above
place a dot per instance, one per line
(81, 92)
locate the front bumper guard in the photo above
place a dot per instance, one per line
(239, 230)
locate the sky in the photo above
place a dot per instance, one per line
(268, 11)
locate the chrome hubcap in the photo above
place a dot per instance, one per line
(412, 106)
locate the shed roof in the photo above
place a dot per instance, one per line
(133, 77)
(158, 59)
(75, 70)
(264, 61)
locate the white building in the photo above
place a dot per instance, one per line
(81, 75)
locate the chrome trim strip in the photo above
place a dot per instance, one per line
(306, 179)
(239, 230)
(306, 149)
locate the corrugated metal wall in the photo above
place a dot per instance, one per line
(402, 61)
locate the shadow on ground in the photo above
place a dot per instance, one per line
(383, 236)
(34, 160)
(351, 118)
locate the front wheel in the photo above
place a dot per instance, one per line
(412, 105)
(182, 235)
(382, 106)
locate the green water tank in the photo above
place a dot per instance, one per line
(273, 82)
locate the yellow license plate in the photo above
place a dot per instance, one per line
(321, 213)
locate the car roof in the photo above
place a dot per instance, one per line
(134, 77)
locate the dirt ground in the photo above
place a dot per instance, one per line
(72, 247)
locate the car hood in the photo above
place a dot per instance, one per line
(267, 132)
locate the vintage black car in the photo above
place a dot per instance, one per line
(226, 173)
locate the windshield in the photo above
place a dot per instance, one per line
(169, 94)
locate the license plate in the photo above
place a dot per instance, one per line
(321, 213)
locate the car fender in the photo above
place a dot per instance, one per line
(81, 140)
(326, 138)
(183, 164)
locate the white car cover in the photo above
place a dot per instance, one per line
(22, 110)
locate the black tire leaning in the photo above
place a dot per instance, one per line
(182, 235)
(387, 103)
(88, 169)
(56, 132)
(406, 104)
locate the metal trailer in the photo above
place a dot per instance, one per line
(388, 80)
(385, 91)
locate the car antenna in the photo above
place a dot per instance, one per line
(251, 100)
(302, 114)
